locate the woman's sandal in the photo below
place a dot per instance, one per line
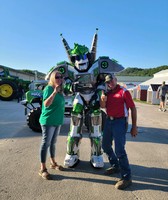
(44, 174)
(56, 166)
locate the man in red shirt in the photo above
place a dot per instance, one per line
(117, 103)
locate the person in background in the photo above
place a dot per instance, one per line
(20, 92)
(51, 119)
(31, 86)
(117, 103)
(161, 94)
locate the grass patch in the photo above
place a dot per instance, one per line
(145, 102)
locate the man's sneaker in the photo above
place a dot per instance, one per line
(123, 184)
(164, 110)
(112, 170)
(160, 109)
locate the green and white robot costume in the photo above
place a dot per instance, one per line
(84, 78)
(95, 130)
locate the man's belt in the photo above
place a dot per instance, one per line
(115, 118)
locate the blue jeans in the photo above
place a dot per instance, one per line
(49, 138)
(115, 130)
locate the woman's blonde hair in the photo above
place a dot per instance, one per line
(52, 79)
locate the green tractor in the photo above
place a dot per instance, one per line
(33, 104)
(9, 85)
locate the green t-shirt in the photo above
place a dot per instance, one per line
(52, 115)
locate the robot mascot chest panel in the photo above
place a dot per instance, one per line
(87, 82)
(84, 83)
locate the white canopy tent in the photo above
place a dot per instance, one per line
(158, 78)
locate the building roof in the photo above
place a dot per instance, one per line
(40, 75)
(130, 79)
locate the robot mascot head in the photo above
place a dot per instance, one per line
(80, 56)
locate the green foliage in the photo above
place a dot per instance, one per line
(27, 71)
(141, 72)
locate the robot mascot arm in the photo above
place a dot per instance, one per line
(84, 77)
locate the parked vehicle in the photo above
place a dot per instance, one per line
(9, 85)
(33, 103)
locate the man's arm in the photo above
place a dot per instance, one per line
(103, 100)
(157, 93)
(134, 131)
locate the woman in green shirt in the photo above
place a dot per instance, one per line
(51, 119)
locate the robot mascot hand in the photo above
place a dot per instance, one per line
(84, 79)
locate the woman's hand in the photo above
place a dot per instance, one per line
(56, 89)
(50, 99)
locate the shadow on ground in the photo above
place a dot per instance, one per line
(144, 178)
(145, 134)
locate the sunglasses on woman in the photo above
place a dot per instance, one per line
(58, 77)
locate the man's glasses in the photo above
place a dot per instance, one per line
(58, 77)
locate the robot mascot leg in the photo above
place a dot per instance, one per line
(74, 136)
(96, 140)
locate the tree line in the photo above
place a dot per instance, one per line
(133, 71)
(130, 71)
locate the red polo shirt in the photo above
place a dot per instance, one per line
(118, 102)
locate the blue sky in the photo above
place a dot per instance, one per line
(134, 32)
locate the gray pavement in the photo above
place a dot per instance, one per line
(19, 161)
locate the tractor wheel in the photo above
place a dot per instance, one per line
(33, 119)
(8, 90)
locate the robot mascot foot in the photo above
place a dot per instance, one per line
(71, 160)
(97, 161)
